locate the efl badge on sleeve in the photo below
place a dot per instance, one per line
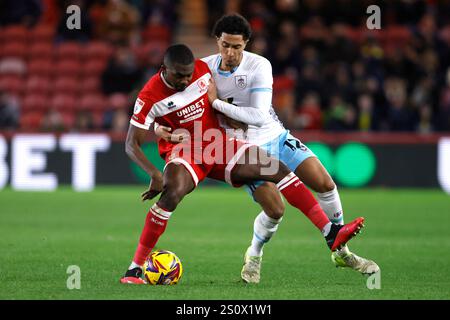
(138, 106)
(241, 81)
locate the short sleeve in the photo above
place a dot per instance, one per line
(142, 116)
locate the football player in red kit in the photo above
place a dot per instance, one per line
(177, 97)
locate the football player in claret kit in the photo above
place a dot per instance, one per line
(177, 97)
(244, 87)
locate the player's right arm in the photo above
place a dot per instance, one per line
(133, 147)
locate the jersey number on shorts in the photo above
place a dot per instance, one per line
(294, 144)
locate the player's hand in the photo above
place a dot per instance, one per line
(235, 124)
(155, 187)
(164, 133)
(212, 90)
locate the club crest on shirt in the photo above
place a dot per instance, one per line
(203, 85)
(241, 81)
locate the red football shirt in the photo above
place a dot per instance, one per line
(176, 109)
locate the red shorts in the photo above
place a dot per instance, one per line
(214, 160)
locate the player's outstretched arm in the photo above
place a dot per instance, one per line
(255, 114)
(165, 133)
(135, 138)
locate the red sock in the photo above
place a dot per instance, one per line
(300, 197)
(155, 224)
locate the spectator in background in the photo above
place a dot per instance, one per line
(53, 122)
(443, 113)
(24, 12)
(84, 121)
(340, 116)
(116, 21)
(122, 73)
(65, 34)
(400, 115)
(366, 115)
(116, 113)
(309, 114)
(9, 111)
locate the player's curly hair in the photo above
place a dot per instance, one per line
(178, 53)
(232, 24)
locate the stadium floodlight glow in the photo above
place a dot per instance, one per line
(444, 164)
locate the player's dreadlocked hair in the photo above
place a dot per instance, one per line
(233, 24)
(178, 53)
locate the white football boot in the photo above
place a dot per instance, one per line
(252, 268)
(344, 258)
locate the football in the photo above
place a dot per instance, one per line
(162, 267)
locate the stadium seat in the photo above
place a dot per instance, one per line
(68, 51)
(31, 121)
(66, 85)
(15, 33)
(97, 49)
(12, 84)
(93, 102)
(159, 33)
(35, 103)
(94, 67)
(41, 50)
(14, 49)
(90, 85)
(68, 68)
(42, 34)
(37, 85)
(63, 102)
(40, 67)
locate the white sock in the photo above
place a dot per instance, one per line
(326, 230)
(134, 265)
(331, 204)
(263, 229)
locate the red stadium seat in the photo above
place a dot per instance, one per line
(31, 121)
(37, 85)
(66, 85)
(12, 84)
(68, 68)
(14, 49)
(90, 85)
(68, 118)
(42, 33)
(35, 102)
(68, 51)
(15, 33)
(63, 102)
(41, 50)
(97, 49)
(41, 67)
(156, 33)
(94, 67)
(93, 102)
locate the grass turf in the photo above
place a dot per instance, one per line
(41, 234)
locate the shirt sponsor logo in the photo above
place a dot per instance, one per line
(192, 112)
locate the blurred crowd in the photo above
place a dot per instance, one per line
(333, 73)
(330, 71)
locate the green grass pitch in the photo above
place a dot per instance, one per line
(407, 233)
